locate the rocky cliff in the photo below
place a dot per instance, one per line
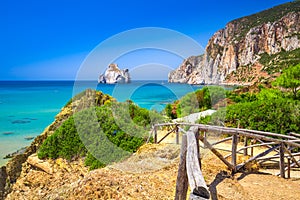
(236, 53)
(114, 75)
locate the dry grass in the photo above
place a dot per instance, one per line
(151, 173)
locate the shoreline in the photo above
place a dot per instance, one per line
(16, 140)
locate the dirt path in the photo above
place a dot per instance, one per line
(257, 185)
(270, 187)
(149, 174)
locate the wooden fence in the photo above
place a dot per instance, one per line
(286, 148)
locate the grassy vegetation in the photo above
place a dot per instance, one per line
(270, 15)
(271, 109)
(111, 131)
(100, 98)
(290, 80)
(195, 102)
(101, 134)
(274, 115)
(280, 61)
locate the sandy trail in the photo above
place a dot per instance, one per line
(262, 184)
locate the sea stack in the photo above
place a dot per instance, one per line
(114, 75)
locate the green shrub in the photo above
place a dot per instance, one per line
(278, 115)
(279, 61)
(171, 110)
(197, 101)
(65, 143)
(270, 95)
(290, 79)
(112, 132)
(270, 110)
(244, 97)
(92, 162)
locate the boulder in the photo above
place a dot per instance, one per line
(43, 165)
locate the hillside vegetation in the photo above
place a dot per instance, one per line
(197, 101)
(101, 134)
(278, 62)
(270, 15)
(275, 109)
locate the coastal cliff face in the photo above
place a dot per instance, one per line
(114, 75)
(234, 54)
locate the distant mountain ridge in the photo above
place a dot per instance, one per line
(250, 49)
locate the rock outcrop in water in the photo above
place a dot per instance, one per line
(114, 75)
(236, 53)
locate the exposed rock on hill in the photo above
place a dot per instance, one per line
(12, 171)
(60, 179)
(236, 53)
(3, 176)
(114, 75)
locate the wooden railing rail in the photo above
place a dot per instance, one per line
(189, 169)
(281, 144)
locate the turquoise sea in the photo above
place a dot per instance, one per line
(28, 107)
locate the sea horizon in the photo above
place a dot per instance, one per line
(29, 106)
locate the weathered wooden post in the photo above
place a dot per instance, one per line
(177, 133)
(252, 151)
(281, 160)
(289, 168)
(182, 179)
(291, 156)
(233, 150)
(288, 146)
(155, 134)
(245, 145)
(199, 189)
(198, 147)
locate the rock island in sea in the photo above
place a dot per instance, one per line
(114, 75)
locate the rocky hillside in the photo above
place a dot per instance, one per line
(10, 173)
(250, 49)
(150, 173)
(152, 167)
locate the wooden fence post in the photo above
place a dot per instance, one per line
(177, 134)
(182, 179)
(198, 148)
(291, 156)
(289, 168)
(233, 151)
(281, 161)
(155, 134)
(252, 151)
(245, 145)
(199, 189)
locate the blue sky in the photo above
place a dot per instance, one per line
(48, 40)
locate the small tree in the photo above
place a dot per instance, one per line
(290, 79)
